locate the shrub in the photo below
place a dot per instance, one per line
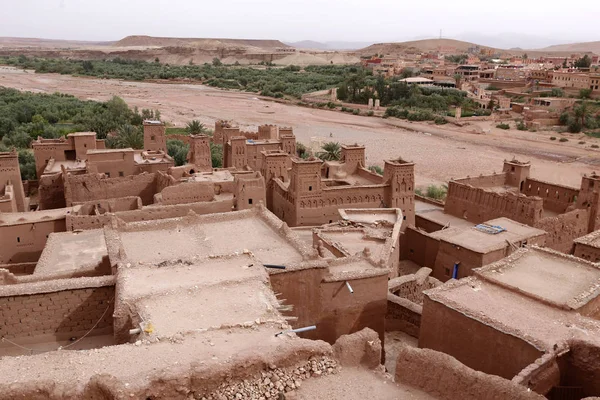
(521, 126)
(552, 137)
(503, 126)
(594, 146)
(370, 113)
(563, 139)
(440, 121)
(436, 192)
(376, 169)
(581, 142)
(331, 105)
(356, 111)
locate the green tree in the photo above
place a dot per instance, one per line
(216, 62)
(195, 127)
(178, 150)
(129, 136)
(583, 62)
(585, 93)
(216, 155)
(331, 152)
(27, 165)
(581, 112)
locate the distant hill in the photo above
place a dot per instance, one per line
(48, 43)
(592, 47)
(203, 43)
(417, 45)
(329, 46)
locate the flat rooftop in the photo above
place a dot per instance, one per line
(34, 216)
(513, 313)
(257, 231)
(591, 239)
(482, 242)
(82, 253)
(438, 216)
(183, 297)
(55, 167)
(560, 279)
(371, 215)
(139, 158)
(213, 176)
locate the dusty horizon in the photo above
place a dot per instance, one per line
(292, 21)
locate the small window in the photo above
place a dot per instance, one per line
(153, 138)
(85, 145)
(447, 271)
(512, 168)
(121, 173)
(404, 217)
(249, 201)
(108, 174)
(310, 188)
(18, 239)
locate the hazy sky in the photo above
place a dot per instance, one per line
(322, 20)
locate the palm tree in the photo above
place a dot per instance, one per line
(458, 80)
(331, 152)
(129, 136)
(194, 127)
(581, 113)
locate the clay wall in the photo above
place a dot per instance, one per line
(587, 252)
(564, 228)
(422, 249)
(324, 301)
(283, 205)
(44, 152)
(8, 201)
(187, 192)
(427, 225)
(582, 368)
(85, 222)
(24, 242)
(372, 176)
(403, 315)
(19, 269)
(484, 181)
(478, 205)
(249, 190)
(253, 153)
(557, 198)
(472, 342)
(300, 288)
(445, 378)
(199, 153)
(541, 375)
(51, 192)
(323, 209)
(56, 307)
(343, 312)
(155, 137)
(91, 187)
(10, 172)
(411, 287)
(448, 254)
(112, 164)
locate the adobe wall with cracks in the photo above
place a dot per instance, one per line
(564, 228)
(59, 307)
(91, 187)
(322, 299)
(483, 349)
(478, 205)
(557, 198)
(444, 377)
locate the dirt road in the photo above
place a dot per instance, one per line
(440, 153)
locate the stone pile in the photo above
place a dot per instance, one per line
(275, 383)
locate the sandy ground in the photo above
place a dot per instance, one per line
(394, 342)
(440, 153)
(354, 383)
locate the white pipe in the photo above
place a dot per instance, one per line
(135, 331)
(349, 287)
